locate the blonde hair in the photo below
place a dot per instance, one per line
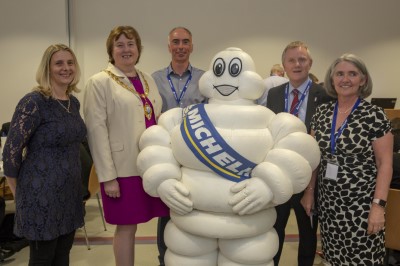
(296, 44)
(278, 70)
(43, 71)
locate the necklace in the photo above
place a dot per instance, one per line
(63, 106)
(346, 111)
(148, 111)
(118, 80)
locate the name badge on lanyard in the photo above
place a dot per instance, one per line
(332, 165)
(332, 169)
(178, 98)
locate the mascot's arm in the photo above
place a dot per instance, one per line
(286, 169)
(297, 155)
(273, 182)
(160, 171)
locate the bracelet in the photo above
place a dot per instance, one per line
(309, 188)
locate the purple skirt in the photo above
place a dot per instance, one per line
(134, 206)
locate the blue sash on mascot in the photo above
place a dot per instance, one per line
(210, 148)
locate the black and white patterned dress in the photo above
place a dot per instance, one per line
(344, 204)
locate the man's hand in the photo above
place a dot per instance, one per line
(307, 201)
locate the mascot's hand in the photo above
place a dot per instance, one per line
(176, 196)
(250, 196)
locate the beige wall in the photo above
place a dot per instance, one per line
(27, 28)
(368, 28)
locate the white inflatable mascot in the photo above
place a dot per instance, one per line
(221, 167)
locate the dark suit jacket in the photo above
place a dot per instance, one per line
(316, 96)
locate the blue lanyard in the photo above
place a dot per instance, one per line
(296, 109)
(335, 136)
(178, 99)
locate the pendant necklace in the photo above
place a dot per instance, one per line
(63, 106)
(148, 111)
(345, 112)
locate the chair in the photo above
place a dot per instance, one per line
(90, 184)
(94, 188)
(392, 231)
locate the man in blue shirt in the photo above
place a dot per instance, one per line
(178, 85)
(178, 82)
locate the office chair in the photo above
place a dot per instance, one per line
(94, 188)
(90, 184)
(86, 164)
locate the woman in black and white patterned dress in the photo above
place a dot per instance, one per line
(356, 145)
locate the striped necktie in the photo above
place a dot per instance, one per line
(295, 101)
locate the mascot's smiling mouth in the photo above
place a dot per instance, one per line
(225, 90)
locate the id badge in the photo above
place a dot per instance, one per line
(332, 169)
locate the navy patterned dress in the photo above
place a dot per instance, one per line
(42, 152)
(344, 204)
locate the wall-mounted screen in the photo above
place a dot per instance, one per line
(386, 103)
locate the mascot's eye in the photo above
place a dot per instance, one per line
(235, 66)
(219, 67)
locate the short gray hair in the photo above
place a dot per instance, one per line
(364, 91)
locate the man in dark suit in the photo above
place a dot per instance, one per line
(300, 97)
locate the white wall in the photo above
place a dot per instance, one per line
(27, 28)
(368, 28)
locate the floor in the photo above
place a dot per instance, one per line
(100, 241)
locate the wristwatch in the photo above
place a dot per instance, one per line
(380, 202)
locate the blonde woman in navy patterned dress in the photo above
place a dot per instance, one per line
(42, 163)
(355, 170)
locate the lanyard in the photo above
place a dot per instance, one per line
(296, 109)
(178, 99)
(335, 136)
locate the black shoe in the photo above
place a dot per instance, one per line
(5, 254)
(15, 245)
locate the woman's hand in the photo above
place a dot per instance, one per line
(376, 219)
(112, 188)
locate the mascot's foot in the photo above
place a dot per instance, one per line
(213, 259)
(257, 251)
(172, 259)
(223, 261)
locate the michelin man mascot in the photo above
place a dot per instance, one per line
(221, 167)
